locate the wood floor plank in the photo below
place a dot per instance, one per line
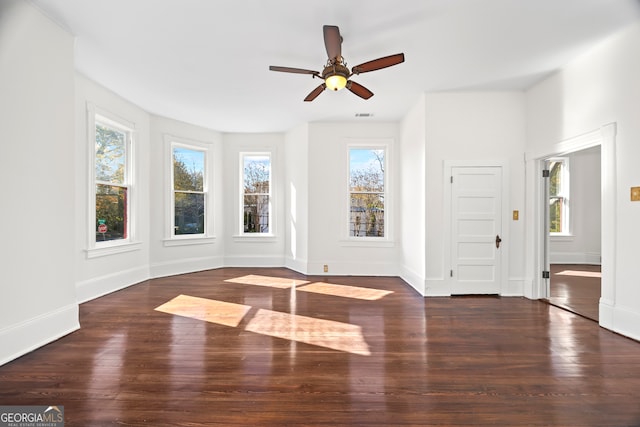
(481, 361)
(577, 288)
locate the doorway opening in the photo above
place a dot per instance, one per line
(573, 227)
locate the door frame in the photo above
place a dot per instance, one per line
(448, 223)
(605, 137)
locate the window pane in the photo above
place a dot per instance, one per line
(256, 214)
(367, 215)
(555, 178)
(189, 213)
(555, 214)
(257, 174)
(366, 170)
(110, 155)
(111, 212)
(188, 169)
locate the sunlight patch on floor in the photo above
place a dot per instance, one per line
(324, 333)
(577, 273)
(219, 312)
(345, 291)
(320, 332)
(271, 282)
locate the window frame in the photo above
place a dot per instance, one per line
(241, 194)
(95, 116)
(387, 239)
(564, 195)
(208, 236)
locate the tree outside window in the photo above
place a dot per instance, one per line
(112, 183)
(367, 192)
(189, 195)
(256, 193)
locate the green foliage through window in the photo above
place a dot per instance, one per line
(189, 194)
(111, 183)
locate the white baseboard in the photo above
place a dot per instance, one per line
(254, 261)
(620, 320)
(413, 279)
(530, 288)
(515, 287)
(31, 334)
(103, 285)
(605, 313)
(437, 287)
(299, 265)
(183, 266)
(591, 258)
(336, 268)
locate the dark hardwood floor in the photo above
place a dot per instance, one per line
(576, 287)
(254, 347)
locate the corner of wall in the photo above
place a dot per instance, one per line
(413, 279)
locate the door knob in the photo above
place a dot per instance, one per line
(498, 240)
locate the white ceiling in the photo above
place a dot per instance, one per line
(206, 62)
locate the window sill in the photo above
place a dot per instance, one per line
(255, 237)
(113, 249)
(187, 241)
(371, 242)
(561, 237)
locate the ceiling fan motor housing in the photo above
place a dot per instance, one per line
(336, 69)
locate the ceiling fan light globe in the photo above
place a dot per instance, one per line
(336, 82)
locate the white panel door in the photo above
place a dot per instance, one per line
(476, 198)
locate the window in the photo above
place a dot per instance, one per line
(189, 190)
(112, 155)
(367, 192)
(256, 193)
(559, 196)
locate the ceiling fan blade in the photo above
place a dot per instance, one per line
(332, 41)
(293, 70)
(314, 93)
(379, 63)
(359, 90)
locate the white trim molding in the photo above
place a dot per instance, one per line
(26, 336)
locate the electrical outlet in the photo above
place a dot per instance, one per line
(635, 194)
(516, 215)
(326, 268)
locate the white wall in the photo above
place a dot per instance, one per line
(297, 198)
(482, 127)
(253, 251)
(37, 292)
(583, 245)
(328, 179)
(104, 274)
(599, 88)
(167, 256)
(412, 193)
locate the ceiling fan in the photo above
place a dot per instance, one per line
(335, 74)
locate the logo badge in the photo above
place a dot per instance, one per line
(31, 416)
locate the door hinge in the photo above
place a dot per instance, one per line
(451, 179)
(546, 173)
(545, 275)
(450, 273)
